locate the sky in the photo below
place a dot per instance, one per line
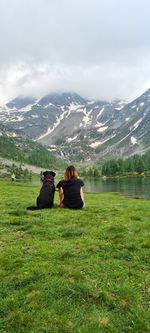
(97, 48)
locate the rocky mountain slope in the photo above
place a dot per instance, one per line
(78, 129)
(18, 148)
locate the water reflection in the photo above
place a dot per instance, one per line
(134, 186)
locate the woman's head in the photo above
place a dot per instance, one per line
(70, 173)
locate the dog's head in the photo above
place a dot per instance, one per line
(48, 174)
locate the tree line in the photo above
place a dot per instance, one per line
(92, 172)
(19, 172)
(134, 164)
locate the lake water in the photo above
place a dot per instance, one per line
(133, 186)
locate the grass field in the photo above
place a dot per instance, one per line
(65, 271)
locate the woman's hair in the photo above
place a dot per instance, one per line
(70, 173)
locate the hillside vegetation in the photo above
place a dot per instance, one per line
(27, 151)
(136, 163)
(66, 271)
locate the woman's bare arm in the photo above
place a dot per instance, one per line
(61, 196)
(81, 193)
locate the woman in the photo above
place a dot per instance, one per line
(70, 190)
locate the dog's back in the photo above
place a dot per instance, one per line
(46, 196)
(47, 191)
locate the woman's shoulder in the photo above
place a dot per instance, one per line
(80, 181)
(60, 183)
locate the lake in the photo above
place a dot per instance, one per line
(133, 186)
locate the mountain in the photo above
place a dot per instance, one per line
(80, 129)
(18, 148)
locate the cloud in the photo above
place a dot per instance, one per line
(97, 48)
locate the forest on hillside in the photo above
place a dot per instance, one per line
(135, 163)
(28, 152)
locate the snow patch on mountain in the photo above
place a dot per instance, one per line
(26, 108)
(142, 103)
(98, 143)
(48, 105)
(65, 114)
(102, 129)
(98, 124)
(17, 118)
(133, 140)
(95, 144)
(51, 149)
(86, 119)
(35, 116)
(100, 112)
(125, 137)
(75, 106)
(13, 134)
(72, 139)
(137, 124)
(120, 108)
(75, 124)
(49, 130)
(120, 105)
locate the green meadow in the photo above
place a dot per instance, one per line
(65, 271)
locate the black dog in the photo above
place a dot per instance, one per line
(47, 192)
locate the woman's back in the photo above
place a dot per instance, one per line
(71, 189)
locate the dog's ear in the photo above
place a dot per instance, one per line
(53, 173)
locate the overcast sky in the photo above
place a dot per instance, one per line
(97, 48)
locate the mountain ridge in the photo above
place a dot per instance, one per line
(76, 128)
